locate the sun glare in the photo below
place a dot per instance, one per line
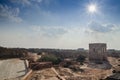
(92, 8)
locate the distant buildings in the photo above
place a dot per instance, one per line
(97, 52)
(80, 49)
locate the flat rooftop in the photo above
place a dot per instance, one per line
(97, 43)
(12, 69)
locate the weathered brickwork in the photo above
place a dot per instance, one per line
(97, 52)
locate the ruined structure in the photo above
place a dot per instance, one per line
(40, 65)
(97, 52)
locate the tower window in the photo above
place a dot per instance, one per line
(94, 49)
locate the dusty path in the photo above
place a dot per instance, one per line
(60, 77)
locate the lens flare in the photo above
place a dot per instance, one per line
(92, 8)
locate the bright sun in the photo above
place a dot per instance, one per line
(92, 8)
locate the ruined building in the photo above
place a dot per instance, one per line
(97, 52)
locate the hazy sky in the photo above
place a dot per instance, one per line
(59, 23)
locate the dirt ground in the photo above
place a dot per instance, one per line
(45, 74)
(114, 61)
(88, 74)
(68, 74)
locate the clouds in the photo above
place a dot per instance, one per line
(100, 32)
(101, 28)
(8, 13)
(26, 2)
(37, 1)
(49, 31)
(23, 2)
(11, 12)
(58, 23)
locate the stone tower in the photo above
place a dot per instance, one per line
(97, 52)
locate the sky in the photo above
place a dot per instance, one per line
(64, 24)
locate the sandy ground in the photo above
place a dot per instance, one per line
(68, 74)
(113, 61)
(12, 69)
(89, 73)
(45, 74)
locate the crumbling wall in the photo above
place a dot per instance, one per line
(97, 52)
